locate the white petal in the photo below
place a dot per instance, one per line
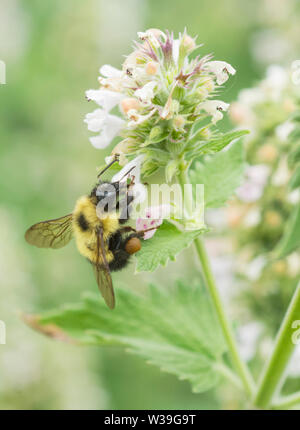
(110, 71)
(175, 50)
(104, 98)
(146, 94)
(221, 70)
(215, 109)
(99, 141)
(113, 126)
(95, 120)
(136, 172)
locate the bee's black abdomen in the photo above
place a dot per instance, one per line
(117, 245)
(82, 222)
(121, 259)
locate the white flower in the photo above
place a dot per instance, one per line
(153, 217)
(221, 70)
(152, 35)
(108, 126)
(146, 94)
(283, 130)
(110, 71)
(215, 109)
(136, 118)
(277, 77)
(114, 79)
(105, 98)
(135, 165)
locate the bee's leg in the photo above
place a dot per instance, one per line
(127, 229)
(115, 241)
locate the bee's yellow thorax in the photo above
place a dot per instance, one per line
(86, 240)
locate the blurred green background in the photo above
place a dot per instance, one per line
(53, 50)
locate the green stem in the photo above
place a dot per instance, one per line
(273, 374)
(287, 402)
(229, 375)
(239, 365)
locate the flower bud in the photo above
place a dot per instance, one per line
(130, 103)
(267, 153)
(188, 43)
(151, 68)
(155, 133)
(178, 122)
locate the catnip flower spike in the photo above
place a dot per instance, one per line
(161, 94)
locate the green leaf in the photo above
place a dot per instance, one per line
(167, 242)
(174, 329)
(295, 179)
(214, 145)
(221, 174)
(291, 236)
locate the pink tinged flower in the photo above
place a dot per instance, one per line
(108, 125)
(253, 187)
(154, 216)
(215, 109)
(221, 70)
(105, 98)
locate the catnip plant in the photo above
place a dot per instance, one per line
(160, 113)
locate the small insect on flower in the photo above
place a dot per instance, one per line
(97, 225)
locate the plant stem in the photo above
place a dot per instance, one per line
(239, 365)
(273, 374)
(287, 402)
(229, 375)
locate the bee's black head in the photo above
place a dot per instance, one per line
(111, 194)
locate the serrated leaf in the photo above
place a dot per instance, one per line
(167, 242)
(291, 236)
(214, 145)
(174, 329)
(221, 175)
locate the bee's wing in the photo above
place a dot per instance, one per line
(102, 273)
(54, 233)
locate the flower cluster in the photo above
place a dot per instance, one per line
(266, 199)
(161, 94)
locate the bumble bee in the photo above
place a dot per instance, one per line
(100, 237)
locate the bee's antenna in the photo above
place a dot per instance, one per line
(109, 165)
